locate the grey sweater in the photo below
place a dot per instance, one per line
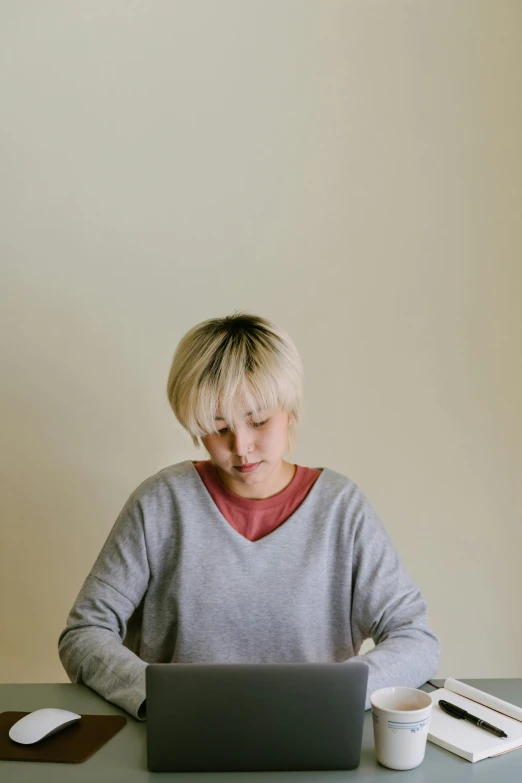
(174, 582)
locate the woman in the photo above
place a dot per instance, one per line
(244, 557)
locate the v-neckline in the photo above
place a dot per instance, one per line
(269, 535)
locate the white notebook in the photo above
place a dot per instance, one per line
(464, 738)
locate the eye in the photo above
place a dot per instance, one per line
(254, 424)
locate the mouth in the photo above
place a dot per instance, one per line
(247, 468)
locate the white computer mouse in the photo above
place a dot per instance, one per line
(40, 724)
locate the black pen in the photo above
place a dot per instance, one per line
(458, 712)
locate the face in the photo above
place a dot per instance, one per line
(259, 438)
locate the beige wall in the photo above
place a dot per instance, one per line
(350, 170)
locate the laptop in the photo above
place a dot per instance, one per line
(254, 717)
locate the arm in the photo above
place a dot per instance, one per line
(388, 607)
(91, 646)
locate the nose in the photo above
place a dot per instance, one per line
(241, 441)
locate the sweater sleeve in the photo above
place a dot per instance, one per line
(91, 645)
(388, 607)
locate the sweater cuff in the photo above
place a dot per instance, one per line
(135, 701)
(142, 712)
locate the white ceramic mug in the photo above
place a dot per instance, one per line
(401, 717)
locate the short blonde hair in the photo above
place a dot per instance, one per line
(230, 362)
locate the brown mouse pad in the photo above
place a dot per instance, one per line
(72, 745)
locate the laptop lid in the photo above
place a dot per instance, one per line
(254, 717)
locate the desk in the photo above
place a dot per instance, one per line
(124, 757)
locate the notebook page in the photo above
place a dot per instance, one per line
(464, 738)
(484, 698)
